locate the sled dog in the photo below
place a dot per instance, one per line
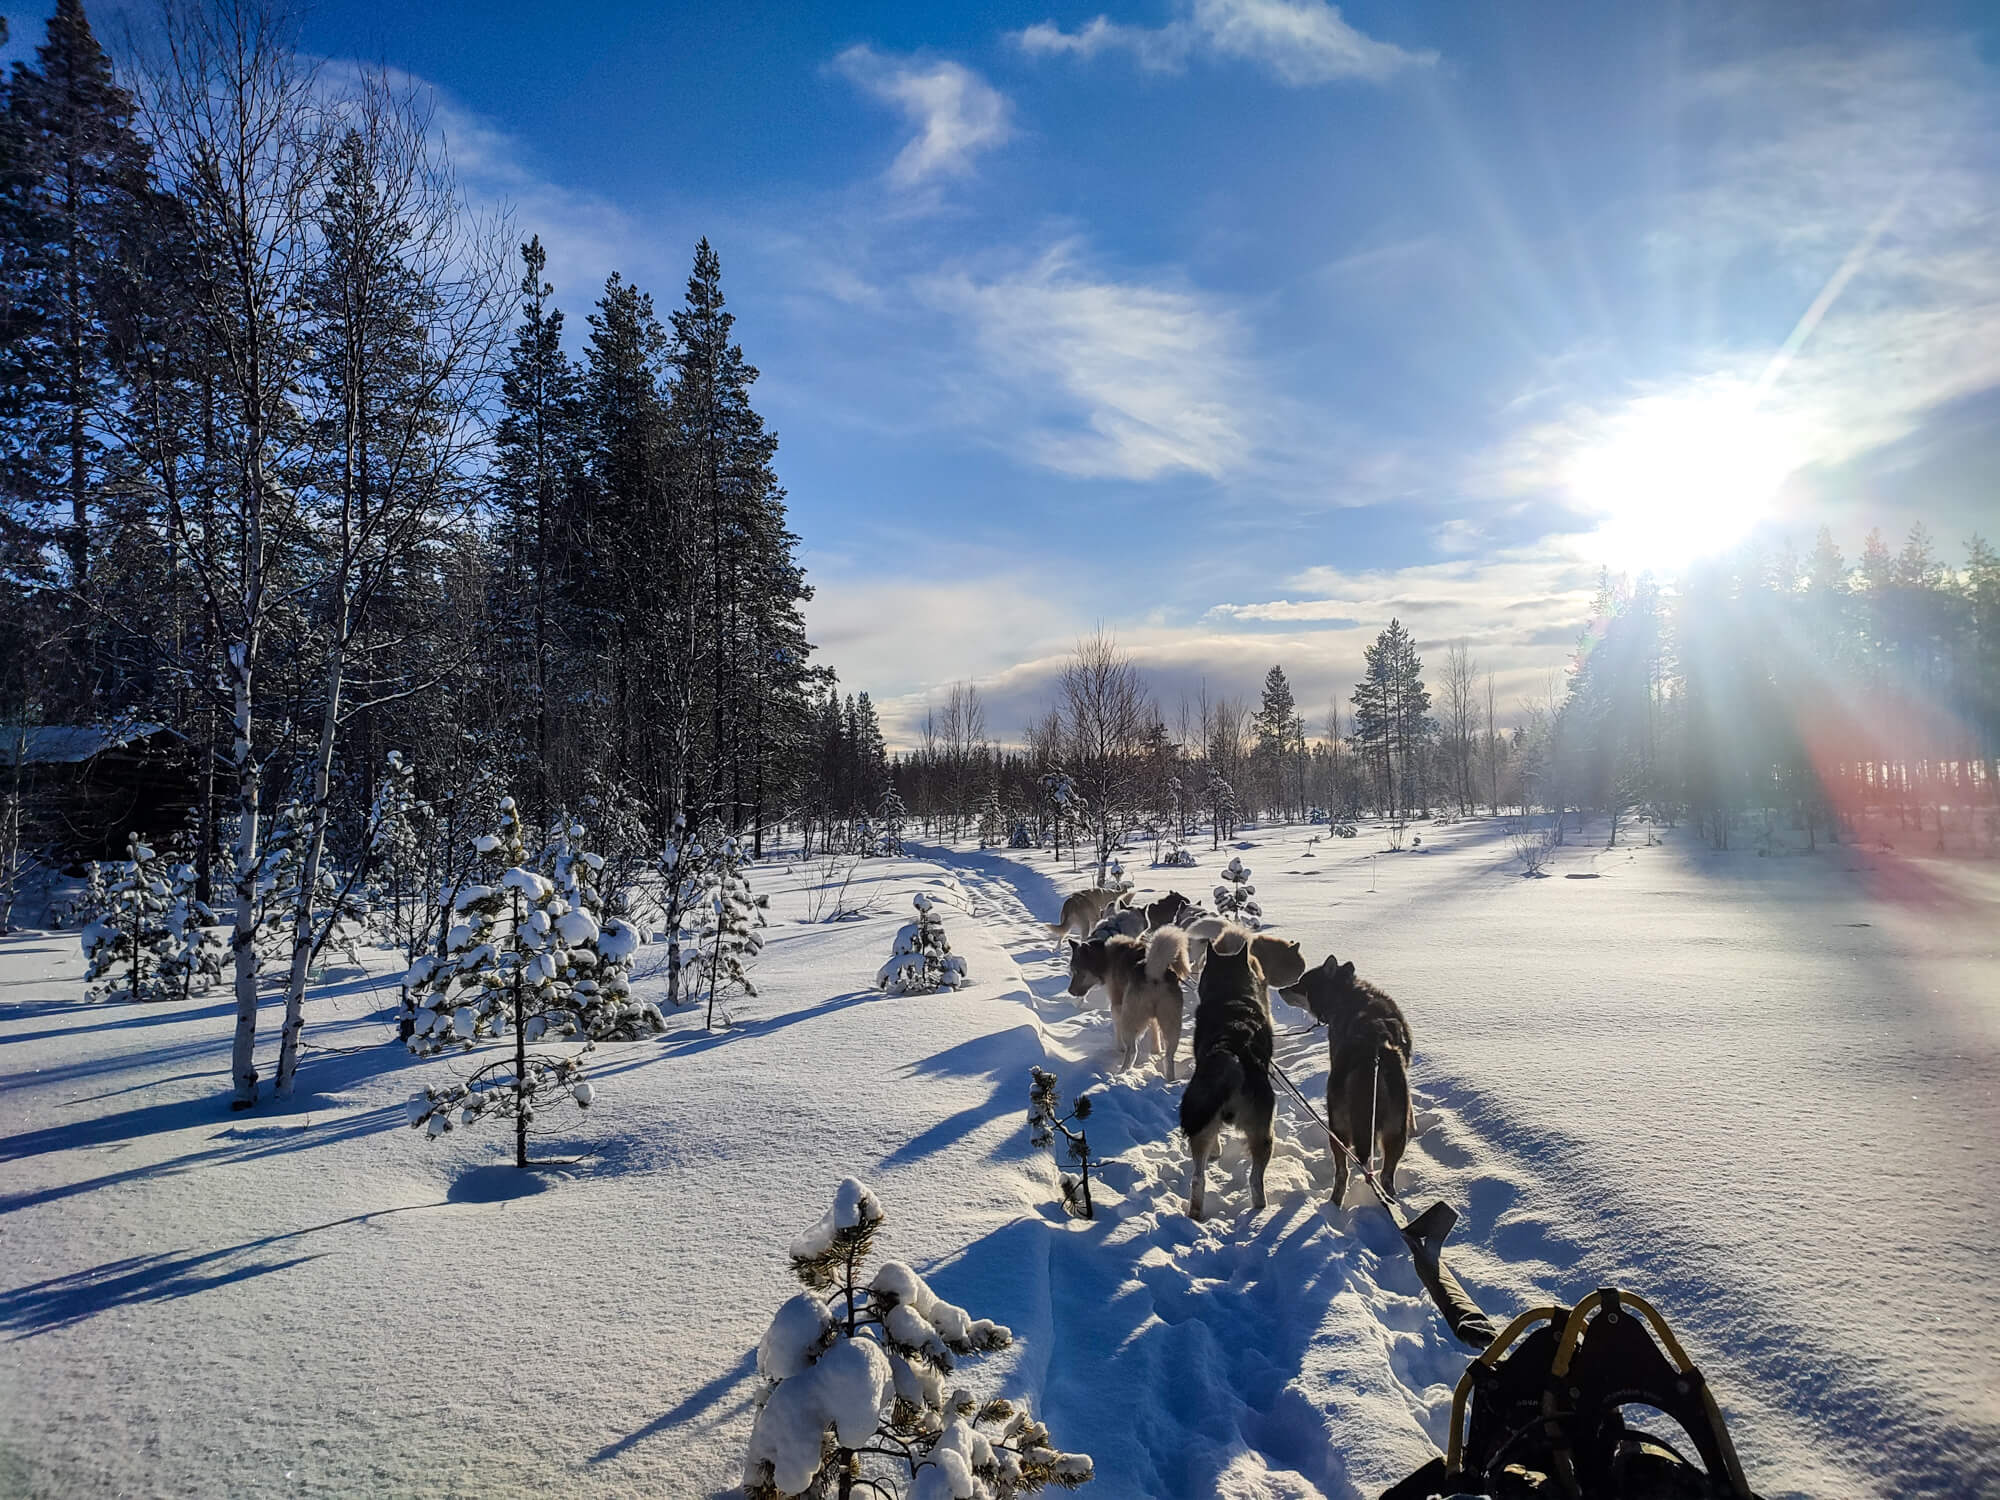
(1171, 910)
(1143, 978)
(1081, 911)
(1369, 1045)
(1232, 1064)
(1123, 921)
(1280, 964)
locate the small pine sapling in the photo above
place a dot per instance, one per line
(594, 949)
(851, 1394)
(681, 869)
(1022, 837)
(1046, 1121)
(130, 929)
(992, 822)
(736, 931)
(1234, 896)
(1115, 879)
(891, 816)
(191, 950)
(922, 962)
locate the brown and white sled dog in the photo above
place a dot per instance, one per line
(1120, 921)
(1081, 911)
(1280, 964)
(1143, 978)
(1368, 1042)
(1232, 1064)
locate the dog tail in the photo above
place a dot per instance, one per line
(1166, 953)
(1205, 929)
(1217, 1076)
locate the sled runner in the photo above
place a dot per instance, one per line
(1541, 1413)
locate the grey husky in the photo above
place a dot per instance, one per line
(1143, 978)
(1368, 1043)
(1232, 1064)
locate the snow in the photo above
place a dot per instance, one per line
(799, 1328)
(1698, 1076)
(845, 1389)
(854, 1204)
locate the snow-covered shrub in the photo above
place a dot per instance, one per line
(123, 943)
(1177, 856)
(1345, 830)
(735, 932)
(922, 961)
(1235, 895)
(1021, 838)
(1046, 1121)
(395, 855)
(80, 908)
(852, 1384)
(508, 1088)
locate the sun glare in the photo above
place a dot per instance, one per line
(1680, 479)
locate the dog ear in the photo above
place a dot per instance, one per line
(1073, 946)
(1347, 972)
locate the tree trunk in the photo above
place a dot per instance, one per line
(304, 938)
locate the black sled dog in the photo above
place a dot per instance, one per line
(1232, 1064)
(1368, 1043)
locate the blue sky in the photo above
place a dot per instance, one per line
(1239, 325)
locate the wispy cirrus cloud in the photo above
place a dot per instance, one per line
(1101, 377)
(1300, 42)
(955, 114)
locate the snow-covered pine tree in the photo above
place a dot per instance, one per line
(892, 815)
(1235, 895)
(339, 916)
(191, 953)
(594, 948)
(1177, 855)
(681, 870)
(501, 972)
(922, 961)
(992, 822)
(736, 926)
(1115, 879)
(130, 929)
(851, 1396)
(396, 856)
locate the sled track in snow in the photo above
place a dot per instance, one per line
(1291, 1352)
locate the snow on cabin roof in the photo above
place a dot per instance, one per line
(67, 744)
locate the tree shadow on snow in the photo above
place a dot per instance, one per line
(1005, 1057)
(701, 1041)
(502, 1182)
(60, 1301)
(687, 1409)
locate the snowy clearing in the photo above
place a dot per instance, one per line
(314, 1299)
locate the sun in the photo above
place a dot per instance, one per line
(1677, 478)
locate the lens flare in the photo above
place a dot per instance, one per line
(1676, 479)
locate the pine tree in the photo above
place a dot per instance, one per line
(851, 1395)
(921, 961)
(191, 953)
(892, 815)
(1046, 1121)
(130, 930)
(75, 199)
(537, 443)
(1235, 895)
(736, 922)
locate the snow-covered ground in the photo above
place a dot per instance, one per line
(1761, 1091)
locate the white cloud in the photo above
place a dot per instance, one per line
(1102, 378)
(956, 114)
(1301, 42)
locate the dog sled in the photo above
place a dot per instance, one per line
(1541, 1413)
